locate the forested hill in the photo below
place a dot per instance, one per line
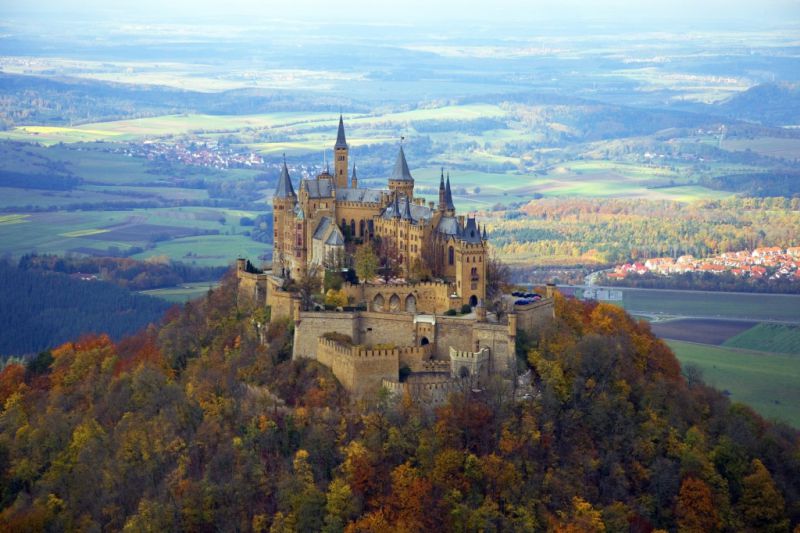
(196, 426)
(43, 309)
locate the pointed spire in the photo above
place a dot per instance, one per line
(401, 172)
(448, 195)
(341, 142)
(484, 232)
(407, 210)
(441, 180)
(284, 188)
(396, 207)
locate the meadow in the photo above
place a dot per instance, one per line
(768, 382)
(183, 293)
(190, 234)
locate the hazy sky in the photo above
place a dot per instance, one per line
(756, 12)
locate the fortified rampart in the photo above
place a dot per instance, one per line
(531, 316)
(430, 390)
(436, 348)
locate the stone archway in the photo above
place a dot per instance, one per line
(473, 300)
(424, 341)
(411, 304)
(377, 302)
(394, 303)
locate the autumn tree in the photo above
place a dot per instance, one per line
(366, 263)
(695, 511)
(761, 505)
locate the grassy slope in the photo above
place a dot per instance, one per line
(768, 337)
(770, 383)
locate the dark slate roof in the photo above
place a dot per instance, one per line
(341, 142)
(471, 232)
(448, 196)
(318, 188)
(322, 228)
(284, 188)
(335, 238)
(448, 226)
(359, 195)
(401, 172)
(415, 212)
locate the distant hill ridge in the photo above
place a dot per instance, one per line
(774, 104)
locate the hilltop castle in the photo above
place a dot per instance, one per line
(313, 227)
(395, 325)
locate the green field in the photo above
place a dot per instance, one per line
(99, 232)
(770, 383)
(182, 294)
(758, 307)
(768, 337)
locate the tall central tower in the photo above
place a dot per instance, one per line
(340, 155)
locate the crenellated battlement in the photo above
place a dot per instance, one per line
(433, 392)
(431, 366)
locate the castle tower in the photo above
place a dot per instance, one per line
(441, 192)
(401, 181)
(471, 264)
(283, 202)
(340, 154)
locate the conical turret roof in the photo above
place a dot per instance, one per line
(284, 188)
(341, 142)
(401, 172)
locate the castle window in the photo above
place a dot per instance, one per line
(352, 227)
(450, 255)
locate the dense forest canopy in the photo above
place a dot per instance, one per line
(41, 309)
(196, 425)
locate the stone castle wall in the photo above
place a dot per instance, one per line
(360, 370)
(429, 390)
(531, 317)
(427, 297)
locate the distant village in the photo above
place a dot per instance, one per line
(772, 263)
(208, 154)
